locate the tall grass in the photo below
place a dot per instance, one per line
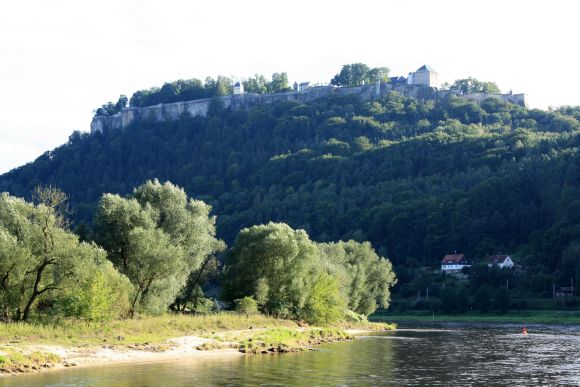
(290, 340)
(142, 330)
(12, 360)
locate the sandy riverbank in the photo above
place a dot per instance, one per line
(175, 349)
(178, 348)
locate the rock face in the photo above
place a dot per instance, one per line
(196, 108)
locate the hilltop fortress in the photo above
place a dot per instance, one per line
(419, 85)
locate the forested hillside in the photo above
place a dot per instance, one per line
(417, 180)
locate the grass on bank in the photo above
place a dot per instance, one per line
(516, 317)
(291, 340)
(149, 330)
(12, 360)
(248, 333)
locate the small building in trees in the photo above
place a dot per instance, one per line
(303, 86)
(398, 80)
(454, 263)
(564, 291)
(239, 88)
(425, 76)
(501, 261)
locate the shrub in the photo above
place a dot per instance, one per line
(354, 317)
(326, 304)
(246, 305)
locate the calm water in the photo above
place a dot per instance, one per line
(445, 355)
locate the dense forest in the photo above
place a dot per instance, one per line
(417, 180)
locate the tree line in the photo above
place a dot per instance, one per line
(156, 249)
(192, 89)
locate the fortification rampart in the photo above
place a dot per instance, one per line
(517, 99)
(196, 108)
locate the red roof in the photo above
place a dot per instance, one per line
(496, 259)
(453, 258)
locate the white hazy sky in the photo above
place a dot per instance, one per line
(60, 59)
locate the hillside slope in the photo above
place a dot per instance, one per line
(416, 180)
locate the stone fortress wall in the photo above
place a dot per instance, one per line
(371, 92)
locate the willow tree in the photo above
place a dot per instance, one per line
(158, 237)
(280, 268)
(366, 278)
(40, 260)
(275, 264)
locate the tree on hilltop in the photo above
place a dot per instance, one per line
(257, 84)
(357, 74)
(111, 108)
(472, 85)
(279, 83)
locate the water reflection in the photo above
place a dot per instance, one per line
(458, 355)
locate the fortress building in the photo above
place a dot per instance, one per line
(425, 76)
(239, 88)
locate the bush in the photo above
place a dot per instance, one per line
(354, 317)
(247, 305)
(204, 305)
(102, 297)
(325, 304)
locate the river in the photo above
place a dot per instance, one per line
(448, 354)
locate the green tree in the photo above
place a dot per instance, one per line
(365, 278)
(378, 74)
(191, 295)
(101, 295)
(357, 74)
(110, 108)
(472, 85)
(482, 300)
(278, 84)
(121, 103)
(41, 260)
(158, 269)
(247, 305)
(501, 299)
(277, 265)
(326, 304)
(351, 75)
(223, 86)
(157, 238)
(448, 299)
(256, 84)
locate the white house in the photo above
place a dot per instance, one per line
(453, 263)
(502, 261)
(239, 88)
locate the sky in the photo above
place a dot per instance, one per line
(60, 60)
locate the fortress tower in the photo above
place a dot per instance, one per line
(425, 76)
(239, 88)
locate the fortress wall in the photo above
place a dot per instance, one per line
(419, 92)
(196, 108)
(199, 108)
(517, 99)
